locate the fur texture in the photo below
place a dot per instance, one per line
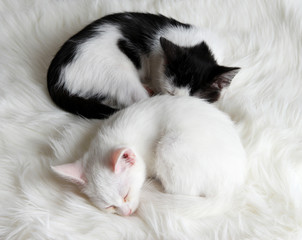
(120, 58)
(198, 155)
(264, 99)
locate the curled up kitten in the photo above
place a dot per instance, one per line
(119, 59)
(186, 143)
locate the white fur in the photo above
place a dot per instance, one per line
(186, 143)
(101, 68)
(264, 99)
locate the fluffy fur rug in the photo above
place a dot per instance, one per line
(265, 101)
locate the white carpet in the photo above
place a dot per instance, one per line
(264, 38)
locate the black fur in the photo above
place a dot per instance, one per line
(130, 51)
(138, 29)
(89, 108)
(141, 28)
(194, 67)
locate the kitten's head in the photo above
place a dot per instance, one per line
(112, 181)
(193, 71)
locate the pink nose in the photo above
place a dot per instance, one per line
(124, 212)
(129, 213)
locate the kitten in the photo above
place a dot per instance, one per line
(120, 58)
(185, 142)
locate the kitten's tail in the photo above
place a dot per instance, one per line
(86, 107)
(187, 206)
(200, 207)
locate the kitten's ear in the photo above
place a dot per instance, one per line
(122, 159)
(223, 76)
(73, 172)
(172, 51)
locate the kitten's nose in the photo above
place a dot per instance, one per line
(125, 212)
(129, 213)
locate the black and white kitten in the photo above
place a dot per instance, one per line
(123, 58)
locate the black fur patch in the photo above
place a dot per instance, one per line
(138, 29)
(90, 108)
(141, 28)
(129, 50)
(67, 53)
(195, 68)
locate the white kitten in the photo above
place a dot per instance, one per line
(185, 142)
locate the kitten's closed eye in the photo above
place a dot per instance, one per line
(126, 196)
(110, 209)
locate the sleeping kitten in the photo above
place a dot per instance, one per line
(120, 58)
(185, 142)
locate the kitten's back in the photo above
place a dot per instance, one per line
(198, 123)
(74, 79)
(188, 144)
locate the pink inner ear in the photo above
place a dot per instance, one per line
(122, 158)
(71, 171)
